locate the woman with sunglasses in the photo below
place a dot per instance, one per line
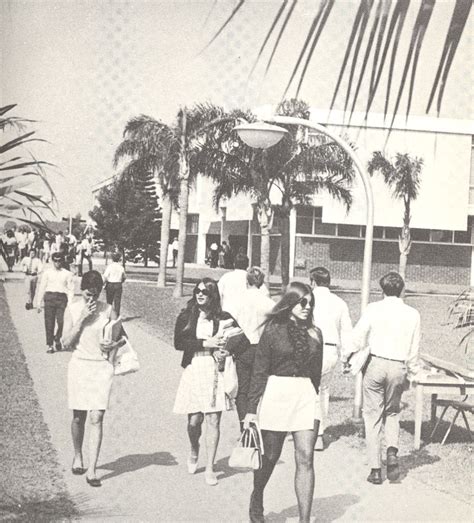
(201, 394)
(90, 373)
(285, 381)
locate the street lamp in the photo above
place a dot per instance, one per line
(264, 135)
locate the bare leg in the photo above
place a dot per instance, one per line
(304, 477)
(95, 440)
(213, 420)
(77, 432)
(194, 432)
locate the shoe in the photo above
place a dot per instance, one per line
(192, 465)
(78, 471)
(375, 477)
(319, 444)
(50, 350)
(211, 478)
(58, 346)
(255, 511)
(28, 306)
(94, 482)
(393, 470)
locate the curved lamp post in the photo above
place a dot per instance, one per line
(263, 135)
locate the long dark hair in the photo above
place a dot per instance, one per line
(213, 307)
(296, 292)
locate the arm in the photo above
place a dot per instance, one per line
(413, 365)
(41, 290)
(72, 329)
(360, 334)
(345, 331)
(318, 366)
(105, 276)
(185, 340)
(261, 370)
(70, 288)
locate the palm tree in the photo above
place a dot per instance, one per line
(402, 175)
(297, 168)
(372, 51)
(151, 147)
(18, 173)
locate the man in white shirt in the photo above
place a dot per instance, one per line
(331, 315)
(391, 331)
(254, 305)
(114, 276)
(233, 284)
(174, 250)
(87, 247)
(56, 288)
(31, 265)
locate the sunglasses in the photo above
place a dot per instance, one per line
(304, 302)
(204, 292)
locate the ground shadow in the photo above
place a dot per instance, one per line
(134, 462)
(414, 460)
(130, 318)
(326, 509)
(222, 466)
(347, 428)
(58, 507)
(458, 434)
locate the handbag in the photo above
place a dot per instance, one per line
(249, 451)
(358, 361)
(231, 382)
(125, 359)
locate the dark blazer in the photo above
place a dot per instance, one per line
(186, 341)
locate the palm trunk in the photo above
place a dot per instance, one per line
(404, 245)
(183, 209)
(165, 239)
(285, 248)
(265, 215)
(402, 268)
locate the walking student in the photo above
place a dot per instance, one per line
(114, 276)
(56, 289)
(90, 373)
(331, 315)
(285, 381)
(31, 266)
(391, 330)
(174, 250)
(255, 306)
(201, 392)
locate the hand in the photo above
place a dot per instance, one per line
(216, 342)
(249, 418)
(107, 346)
(89, 310)
(39, 309)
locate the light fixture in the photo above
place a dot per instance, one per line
(260, 135)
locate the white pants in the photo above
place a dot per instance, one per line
(330, 357)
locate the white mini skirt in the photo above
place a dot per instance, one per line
(289, 404)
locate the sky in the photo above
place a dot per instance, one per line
(82, 68)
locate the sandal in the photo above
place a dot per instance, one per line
(211, 478)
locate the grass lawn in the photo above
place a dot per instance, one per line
(444, 467)
(31, 488)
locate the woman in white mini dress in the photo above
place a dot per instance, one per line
(90, 373)
(201, 392)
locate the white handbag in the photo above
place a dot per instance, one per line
(125, 359)
(231, 382)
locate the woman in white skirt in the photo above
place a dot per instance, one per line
(90, 373)
(201, 392)
(283, 390)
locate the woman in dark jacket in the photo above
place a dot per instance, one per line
(201, 392)
(285, 381)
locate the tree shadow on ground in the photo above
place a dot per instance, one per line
(134, 462)
(344, 429)
(326, 509)
(59, 507)
(458, 434)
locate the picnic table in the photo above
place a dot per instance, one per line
(445, 378)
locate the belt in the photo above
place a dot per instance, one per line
(203, 352)
(389, 359)
(330, 344)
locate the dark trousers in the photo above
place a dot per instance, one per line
(244, 366)
(89, 260)
(113, 293)
(54, 305)
(175, 257)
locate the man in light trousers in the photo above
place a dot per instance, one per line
(331, 315)
(391, 330)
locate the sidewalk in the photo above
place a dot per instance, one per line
(143, 459)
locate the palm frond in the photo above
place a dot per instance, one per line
(226, 23)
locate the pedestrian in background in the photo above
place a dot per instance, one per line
(233, 284)
(391, 331)
(114, 276)
(11, 249)
(254, 308)
(87, 248)
(284, 386)
(90, 372)
(214, 254)
(56, 289)
(31, 265)
(201, 393)
(331, 315)
(174, 250)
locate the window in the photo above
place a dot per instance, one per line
(304, 220)
(192, 225)
(378, 232)
(392, 233)
(353, 231)
(420, 235)
(441, 236)
(462, 236)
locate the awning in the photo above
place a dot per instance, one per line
(231, 228)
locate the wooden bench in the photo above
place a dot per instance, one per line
(460, 406)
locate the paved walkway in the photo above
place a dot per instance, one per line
(144, 452)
